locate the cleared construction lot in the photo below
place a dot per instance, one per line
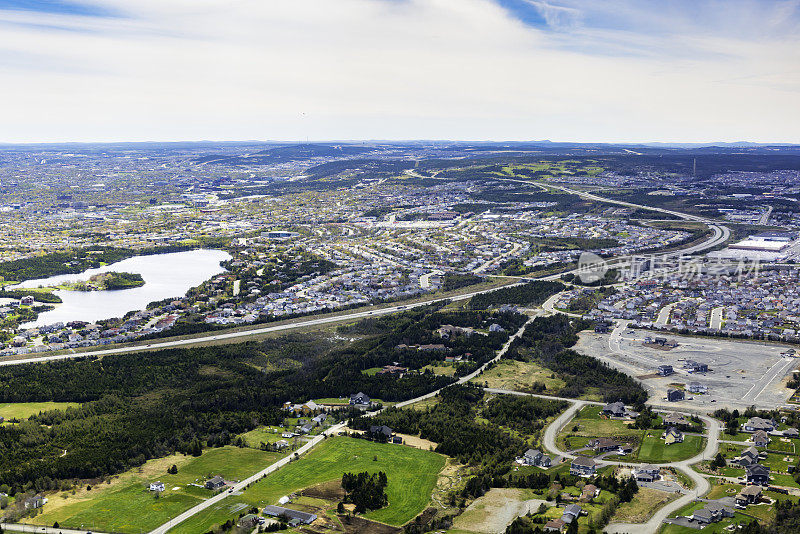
(741, 373)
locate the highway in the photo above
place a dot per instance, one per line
(235, 337)
(720, 235)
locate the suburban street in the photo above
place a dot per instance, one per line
(701, 484)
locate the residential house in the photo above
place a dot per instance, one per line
(319, 419)
(156, 486)
(604, 444)
(295, 516)
(307, 428)
(675, 395)
(647, 473)
(37, 501)
(554, 525)
(665, 370)
(215, 483)
(748, 495)
(720, 509)
(359, 399)
(589, 492)
(393, 370)
(754, 424)
(534, 457)
(675, 419)
(281, 444)
(447, 331)
(571, 513)
(757, 474)
(704, 516)
(697, 387)
(380, 432)
(749, 456)
(760, 438)
(672, 435)
(615, 409)
(582, 466)
(713, 512)
(788, 433)
(250, 521)
(695, 367)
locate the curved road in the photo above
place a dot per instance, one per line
(701, 484)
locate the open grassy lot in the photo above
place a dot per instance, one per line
(23, 410)
(642, 506)
(519, 376)
(654, 450)
(266, 434)
(589, 424)
(444, 369)
(648, 445)
(126, 505)
(412, 474)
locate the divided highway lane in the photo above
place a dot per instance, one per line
(234, 336)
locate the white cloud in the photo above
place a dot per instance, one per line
(325, 69)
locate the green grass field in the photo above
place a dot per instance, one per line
(126, 505)
(23, 410)
(519, 376)
(654, 450)
(265, 434)
(412, 475)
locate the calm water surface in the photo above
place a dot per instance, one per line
(165, 276)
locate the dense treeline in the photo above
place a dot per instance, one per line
(453, 281)
(547, 340)
(367, 491)
(522, 413)
(529, 294)
(38, 296)
(451, 424)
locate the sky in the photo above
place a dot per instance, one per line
(297, 70)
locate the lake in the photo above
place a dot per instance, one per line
(165, 275)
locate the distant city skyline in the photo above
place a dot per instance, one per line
(617, 71)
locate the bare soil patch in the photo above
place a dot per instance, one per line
(329, 491)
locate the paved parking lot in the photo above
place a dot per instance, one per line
(741, 373)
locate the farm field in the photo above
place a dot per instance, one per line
(126, 505)
(412, 475)
(23, 410)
